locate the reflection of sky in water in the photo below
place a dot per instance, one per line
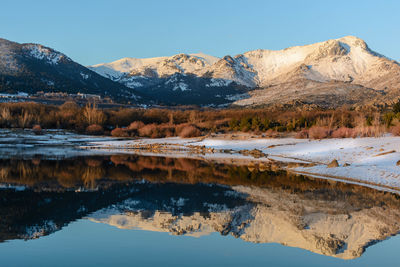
(84, 243)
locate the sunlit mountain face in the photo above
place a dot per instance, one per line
(39, 197)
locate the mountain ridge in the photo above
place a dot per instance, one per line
(347, 62)
(329, 74)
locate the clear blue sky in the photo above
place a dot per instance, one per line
(98, 31)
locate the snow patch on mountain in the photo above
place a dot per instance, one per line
(36, 231)
(160, 66)
(182, 86)
(236, 97)
(84, 76)
(218, 83)
(44, 53)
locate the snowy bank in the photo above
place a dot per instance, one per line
(371, 161)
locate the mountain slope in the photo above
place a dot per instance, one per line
(328, 74)
(33, 67)
(180, 79)
(334, 68)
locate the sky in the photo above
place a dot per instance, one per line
(98, 31)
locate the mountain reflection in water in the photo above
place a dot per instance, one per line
(194, 197)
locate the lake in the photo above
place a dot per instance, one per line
(63, 206)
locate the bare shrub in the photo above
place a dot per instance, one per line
(374, 129)
(370, 131)
(318, 132)
(37, 129)
(344, 132)
(136, 125)
(395, 130)
(69, 105)
(93, 115)
(133, 128)
(271, 133)
(95, 129)
(180, 127)
(119, 132)
(150, 130)
(167, 130)
(5, 116)
(24, 119)
(189, 131)
(303, 134)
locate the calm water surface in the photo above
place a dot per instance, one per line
(80, 209)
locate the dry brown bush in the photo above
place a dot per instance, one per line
(344, 132)
(189, 131)
(136, 125)
(150, 130)
(119, 132)
(37, 129)
(95, 129)
(369, 131)
(395, 130)
(167, 130)
(5, 116)
(303, 134)
(318, 132)
(271, 133)
(24, 119)
(93, 115)
(69, 105)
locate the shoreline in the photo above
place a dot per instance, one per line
(367, 161)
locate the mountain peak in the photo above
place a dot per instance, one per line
(354, 41)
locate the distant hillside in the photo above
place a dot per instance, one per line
(33, 67)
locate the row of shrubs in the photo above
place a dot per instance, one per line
(130, 122)
(138, 128)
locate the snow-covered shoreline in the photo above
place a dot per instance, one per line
(370, 161)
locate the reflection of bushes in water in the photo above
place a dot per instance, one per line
(90, 175)
(4, 172)
(67, 173)
(92, 171)
(180, 170)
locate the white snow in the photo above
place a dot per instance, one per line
(84, 76)
(36, 231)
(236, 97)
(323, 66)
(41, 52)
(218, 83)
(181, 86)
(345, 59)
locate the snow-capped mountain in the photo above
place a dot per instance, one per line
(34, 67)
(155, 67)
(333, 73)
(180, 79)
(343, 69)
